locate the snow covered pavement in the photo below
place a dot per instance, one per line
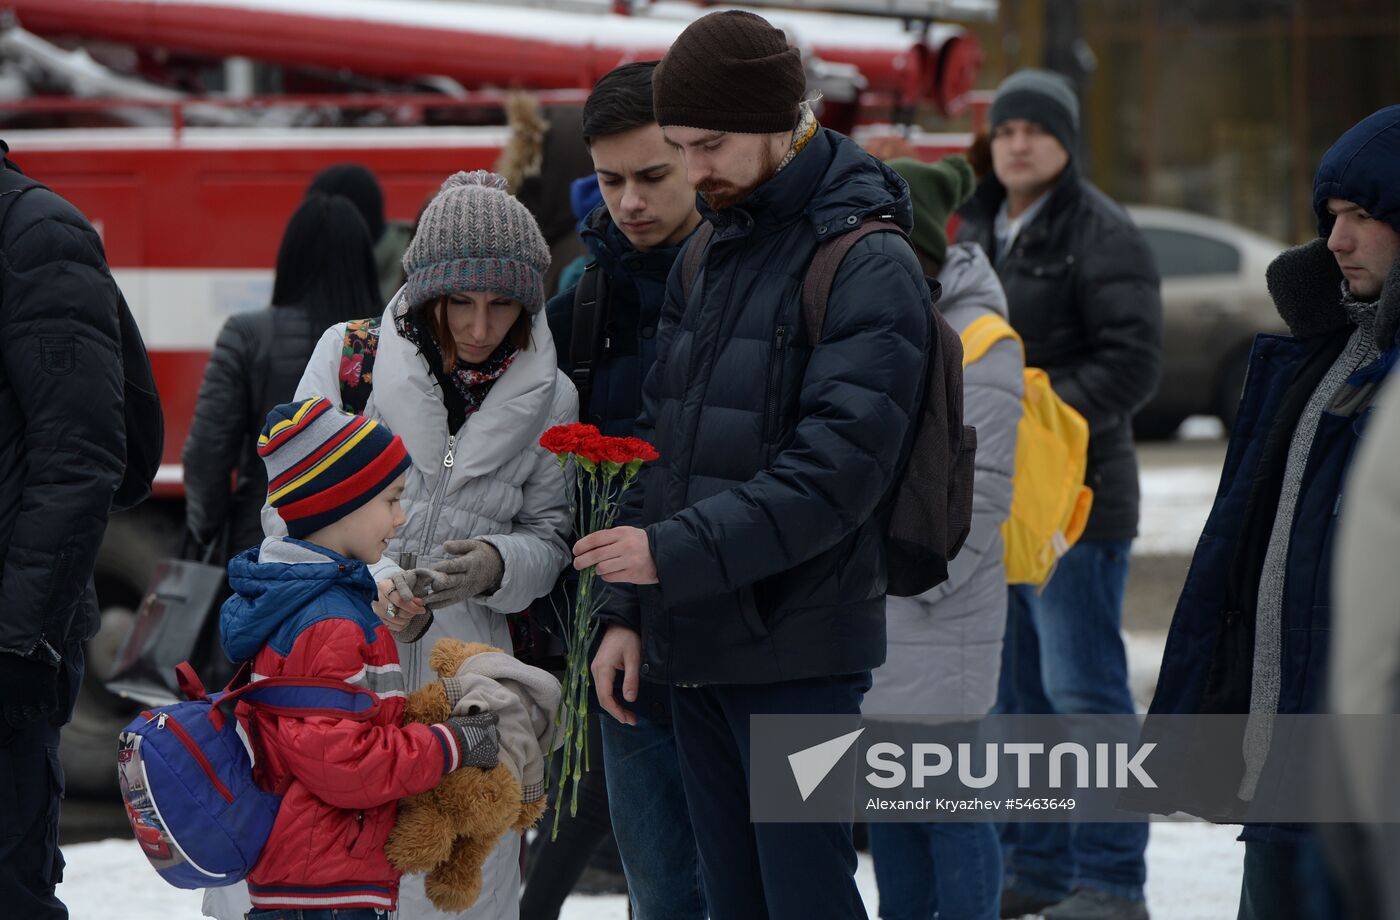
(1193, 873)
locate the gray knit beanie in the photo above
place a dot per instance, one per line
(1041, 96)
(475, 236)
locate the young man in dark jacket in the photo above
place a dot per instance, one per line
(62, 454)
(761, 568)
(1084, 295)
(648, 211)
(1252, 627)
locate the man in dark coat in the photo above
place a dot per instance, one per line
(1252, 628)
(62, 454)
(761, 568)
(633, 237)
(1084, 295)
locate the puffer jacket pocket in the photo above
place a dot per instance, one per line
(365, 832)
(749, 612)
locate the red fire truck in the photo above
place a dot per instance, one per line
(190, 192)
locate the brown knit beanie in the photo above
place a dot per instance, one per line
(730, 71)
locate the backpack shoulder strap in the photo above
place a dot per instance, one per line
(587, 341)
(821, 272)
(982, 334)
(301, 697)
(695, 255)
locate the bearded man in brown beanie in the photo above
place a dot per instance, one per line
(754, 579)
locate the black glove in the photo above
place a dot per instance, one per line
(478, 739)
(28, 689)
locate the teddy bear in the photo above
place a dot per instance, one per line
(448, 831)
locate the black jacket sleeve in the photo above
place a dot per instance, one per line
(60, 361)
(1121, 300)
(220, 426)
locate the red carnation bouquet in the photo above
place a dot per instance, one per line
(604, 468)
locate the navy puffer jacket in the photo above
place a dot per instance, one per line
(636, 286)
(764, 511)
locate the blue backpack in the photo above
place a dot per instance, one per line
(186, 773)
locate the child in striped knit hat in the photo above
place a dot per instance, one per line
(305, 605)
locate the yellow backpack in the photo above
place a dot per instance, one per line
(1050, 502)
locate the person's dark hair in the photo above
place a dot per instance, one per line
(620, 101)
(433, 315)
(325, 264)
(356, 182)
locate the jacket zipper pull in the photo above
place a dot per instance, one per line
(160, 720)
(782, 334)
(449, 458)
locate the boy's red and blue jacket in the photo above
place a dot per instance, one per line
(300, 610)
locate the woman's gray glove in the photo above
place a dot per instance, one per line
(472, 568)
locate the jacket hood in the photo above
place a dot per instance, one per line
(968, 280)
(612, 250)
(832, 182)
(1308, 289)
(277, 580)
(407, 398)
(1362, 167)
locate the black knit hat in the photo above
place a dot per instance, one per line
(730, 71)
(1043, 97)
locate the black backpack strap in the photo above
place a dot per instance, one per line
(695, 256)
(821, 272)
(588, 341)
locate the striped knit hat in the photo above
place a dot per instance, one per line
(323, 463)
(475, 236)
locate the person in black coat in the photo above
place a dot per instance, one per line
(325, 275)
(761, 570)
(62, 456)
(1085, 297)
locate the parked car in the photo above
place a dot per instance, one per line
(1214, 301)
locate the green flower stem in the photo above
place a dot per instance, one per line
(602, 487)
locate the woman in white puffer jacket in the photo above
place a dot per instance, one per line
(466, 374)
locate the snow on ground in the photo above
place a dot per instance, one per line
(1193, 873)
(1144, 650)
(1175, 503)
(1177, 495)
